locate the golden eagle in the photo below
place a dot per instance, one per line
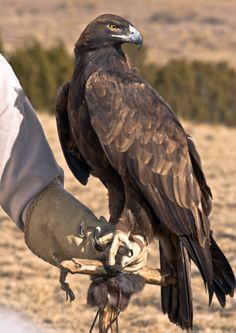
(114, 125)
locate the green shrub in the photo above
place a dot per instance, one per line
(198, 91)
(41, 71)
(203, 92)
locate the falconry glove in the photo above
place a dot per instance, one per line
(58, 227)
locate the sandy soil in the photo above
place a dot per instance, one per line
(30, 287)
(172, 29)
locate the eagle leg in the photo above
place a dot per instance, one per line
(121, 237)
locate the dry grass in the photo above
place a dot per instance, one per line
(172, 29)
(30, 286)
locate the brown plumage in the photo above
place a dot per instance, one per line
(115, 126)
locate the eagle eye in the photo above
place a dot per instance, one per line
(112, 27)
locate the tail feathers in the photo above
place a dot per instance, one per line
(216, 272)
(177, 298)
(223, 276)
(214, 268)
(201, 256)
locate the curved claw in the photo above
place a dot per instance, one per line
(131, 253)
(97, 245)
(81, 230)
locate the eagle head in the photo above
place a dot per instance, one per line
(108, 30)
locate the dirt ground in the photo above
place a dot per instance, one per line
(30, 287)
(171, 28)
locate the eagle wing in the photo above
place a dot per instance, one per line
(206, 198)
(143, 139)
(70, 150)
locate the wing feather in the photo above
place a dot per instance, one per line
(70, 150)
(143, 138)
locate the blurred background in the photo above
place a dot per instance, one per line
(189, 56)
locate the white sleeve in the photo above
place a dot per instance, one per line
(27, 164)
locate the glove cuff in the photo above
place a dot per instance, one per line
(27, 225)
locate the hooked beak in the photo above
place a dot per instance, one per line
(133, 36)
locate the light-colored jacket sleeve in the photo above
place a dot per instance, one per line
(27, 164)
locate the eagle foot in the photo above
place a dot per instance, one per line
(120, 239)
